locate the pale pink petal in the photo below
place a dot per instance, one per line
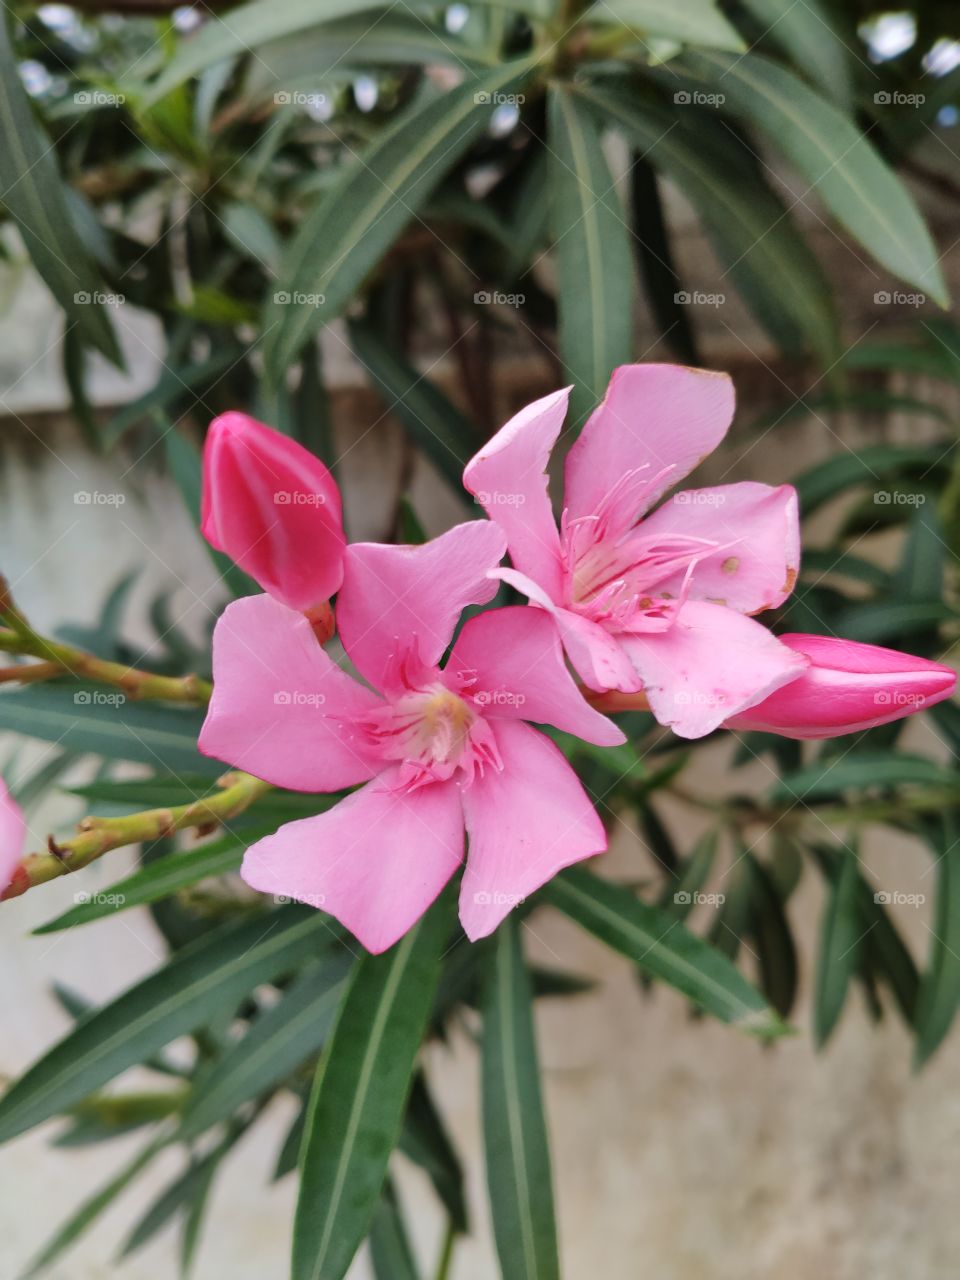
(281, 709)
(848, 687)
(508, 477)
(710, 665)
(655, 424)
(517, 660)
(525, 824)
(375, 861)
(395, 596)
(597, 657)
(756, 530)
(13, 833)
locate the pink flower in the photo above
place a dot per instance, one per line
(438, 749)
(12, 836)
(658, 605)
(274, 509)
(846, 688)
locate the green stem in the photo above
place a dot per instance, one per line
(98, 836)
(446, 1254)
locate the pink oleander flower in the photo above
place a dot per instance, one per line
(12, 836)
(439, 749)
(659, 604)
(274, 509)
(847, 687)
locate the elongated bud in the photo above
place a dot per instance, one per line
(274, 509)
(846, 688)
(12, 833)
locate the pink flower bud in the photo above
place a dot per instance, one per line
(847, 687)
(274, 509)
(12, 833)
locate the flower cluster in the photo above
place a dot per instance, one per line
(650, 604)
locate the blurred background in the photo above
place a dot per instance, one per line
(367, 227)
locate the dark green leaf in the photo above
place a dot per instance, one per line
(425, 1141)
(842, 930)
(939, 992)
(390, 1251)
(860, 770)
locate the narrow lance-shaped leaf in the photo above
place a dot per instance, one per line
(664, 948)
(358, 1100)
(347, 232)
(515, 1134)
(595, 277)
(32, 192)
(698, 22)
(199, 982)
(940, 983)
(842, 930)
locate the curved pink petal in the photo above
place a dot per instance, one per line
(756, 529)
(656, 422)
(711, 664)
(508, 477)
(375, 861)
(517, 659)
(274, 509)
(281, 709)
(525, 824)
(847, 687)
(596, 656)
(393, 597)
(13, 834)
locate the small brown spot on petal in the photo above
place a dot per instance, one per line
(715, 600)
(731, 564)
(791, 581)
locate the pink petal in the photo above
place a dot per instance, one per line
(393, 596)
(274, 509)
(517, 658)
(848, 687)
(525, 824)
(281, 709)
(758, 531)
(598, 659)
(13, 834)
(711, 664)
(375, 861)
(508, 477)
(655, 424)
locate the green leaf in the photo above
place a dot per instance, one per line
(348, 231)
(425, 1141)
(806, 34)
(390, 1251)
(201, 980)
(35, 199)
(664, 948)
(764, 256)
(769, 928)
(698, 22)
(358, 1100)
(447, 438)
(514, 1128)
(856, 771)
(875, 465)
(68, 714)
(885, 621)
(842, 166)
(595, 276)
(680, 892)
(279, 1041)
(920, 573)
(939, 992)
(842, 930)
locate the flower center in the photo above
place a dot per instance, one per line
(433, 732)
